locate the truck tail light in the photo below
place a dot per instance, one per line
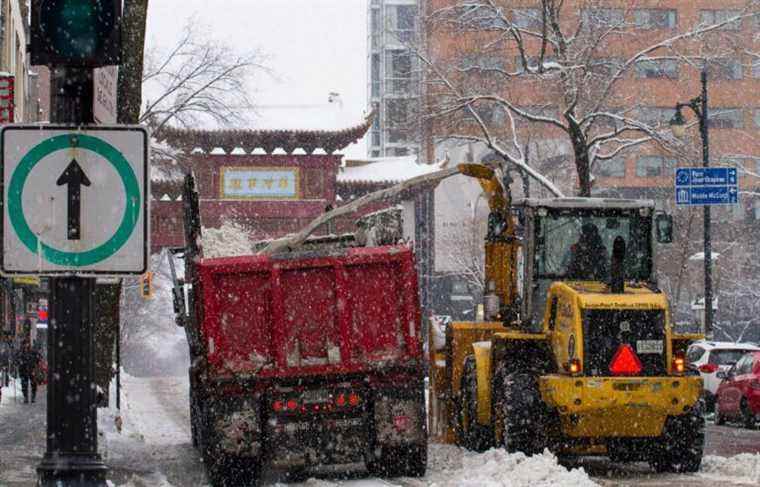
(354, 399)
(292, 405)
(679, 363)
(708, 368)
(340, 401)
(277, 406)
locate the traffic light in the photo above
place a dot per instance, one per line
(146, 285)
(76, 32)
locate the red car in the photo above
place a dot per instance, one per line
(738, 396)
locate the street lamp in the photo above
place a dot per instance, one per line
(678, 126)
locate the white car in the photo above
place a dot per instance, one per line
(710, 357)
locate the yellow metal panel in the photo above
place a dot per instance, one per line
(483, 362)
(611, 406)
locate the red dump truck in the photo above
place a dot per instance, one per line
(303, 362)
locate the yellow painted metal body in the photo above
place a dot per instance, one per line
(618, 406)
(589, 407)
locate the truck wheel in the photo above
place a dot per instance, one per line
(681, 445)
(230, 471)
(473, 435)
(405, 461)
(524, 414)
(748, 417)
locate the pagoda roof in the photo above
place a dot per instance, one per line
(268, 140)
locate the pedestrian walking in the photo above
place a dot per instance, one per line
(28, 361)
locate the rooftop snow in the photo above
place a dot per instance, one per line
(386, 169)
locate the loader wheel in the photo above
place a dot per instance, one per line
(681, 445)
(404, 461)
(472, 435)
(525, 416)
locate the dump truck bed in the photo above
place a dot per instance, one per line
(338, 312)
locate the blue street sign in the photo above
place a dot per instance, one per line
(701, 186)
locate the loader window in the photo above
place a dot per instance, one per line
(576, 244)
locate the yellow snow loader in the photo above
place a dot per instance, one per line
(576, 352)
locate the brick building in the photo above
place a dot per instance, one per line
(537, 87)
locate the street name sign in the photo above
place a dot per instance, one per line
(75, 200)
(700, 186)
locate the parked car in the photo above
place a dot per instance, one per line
(738, 396)
(710, 357)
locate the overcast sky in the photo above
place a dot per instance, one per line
(314, 47)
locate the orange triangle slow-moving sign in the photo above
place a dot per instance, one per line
(625, 361)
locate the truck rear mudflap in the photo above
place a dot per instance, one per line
(618, 406)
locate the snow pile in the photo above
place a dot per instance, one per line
(744, 467)
(453, 467)
(229, 240)
(152, 480)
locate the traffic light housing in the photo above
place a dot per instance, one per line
(83, 33)
(146, 285)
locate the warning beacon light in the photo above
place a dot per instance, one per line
(76, 32)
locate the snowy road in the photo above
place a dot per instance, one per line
(154, 450)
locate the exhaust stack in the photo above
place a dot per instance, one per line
(617, 273)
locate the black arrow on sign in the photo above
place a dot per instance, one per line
(75, 178)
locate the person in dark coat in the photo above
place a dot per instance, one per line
(27, 361)
(588, 258)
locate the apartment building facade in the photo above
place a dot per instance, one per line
(617, 71)
(393, 87)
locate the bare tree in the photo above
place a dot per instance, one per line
(199, 80)
(573, 61)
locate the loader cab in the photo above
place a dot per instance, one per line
(572, 239)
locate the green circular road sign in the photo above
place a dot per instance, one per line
(131, 190)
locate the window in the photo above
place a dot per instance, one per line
(398, 111)
(490, 113)
(724, 68)
(654, 18)
(654, 116)
(375, 75)
(694, 354)
(399, 71)
(657, 68)
(602, 17)
(527, 18)
(402, 21)
(483, 61)
(756, 117)
(725, 357)
(611, 168)
(480, 17)
(375, 27)
(654, 166)
(725, 118)
(549, 62)
(605, 66)
(755, 69)
(708, 17)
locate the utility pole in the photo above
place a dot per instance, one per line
(71, 458)
(72, 46)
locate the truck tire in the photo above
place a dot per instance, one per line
(526, 420)
(681, 445)
(472, 435)
(403, 461)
